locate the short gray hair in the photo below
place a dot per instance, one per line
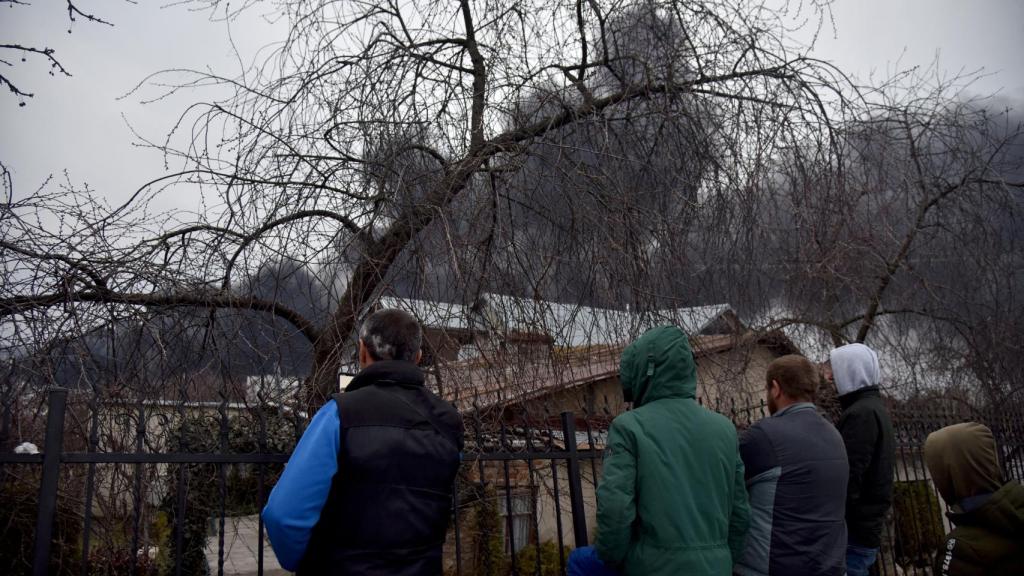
(391, 335)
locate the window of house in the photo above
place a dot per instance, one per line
(517, 511)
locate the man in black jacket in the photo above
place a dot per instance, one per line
(368, 489)
(870, 448)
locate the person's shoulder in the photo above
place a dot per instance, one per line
(1002, 513)
(359, 393)
(720, 423)
(437, 399)
(758, 434)
(821, 422)
(871, 411)
(330, 407)
(629, 423)
(1015, 492)
(860, 409)
(875, 403)
(826, 435)
(451, 414)
(448, 409)
(625, 420)
(761, 424)
(868, 400)
(828, 430)
(443, 409)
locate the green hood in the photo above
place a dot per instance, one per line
(658, 365)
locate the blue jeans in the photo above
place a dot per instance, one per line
(859, 559)
(584, 562)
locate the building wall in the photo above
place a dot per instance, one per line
(732, 379)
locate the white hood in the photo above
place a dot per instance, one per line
(854, 366)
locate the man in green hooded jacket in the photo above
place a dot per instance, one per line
(988, 513)
(672, 500)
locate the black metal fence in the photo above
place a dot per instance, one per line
(522, 499)
(525, 495)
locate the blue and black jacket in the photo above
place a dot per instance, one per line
(796, 473)
(368, 489)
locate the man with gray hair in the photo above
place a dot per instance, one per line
(368, 489)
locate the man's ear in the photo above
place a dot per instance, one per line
(364, 354)
(419, 356)
(774, 389)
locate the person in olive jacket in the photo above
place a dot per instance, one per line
(867, 432)
(672, 499)
(988, 513)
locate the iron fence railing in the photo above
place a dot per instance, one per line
(545, 463)
(524, 497)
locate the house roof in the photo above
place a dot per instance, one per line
(490, 381)
(486, 382)
(567, 324)
(432, 314)
(575, 325)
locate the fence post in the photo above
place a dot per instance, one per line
(579, 516)
(47, 509)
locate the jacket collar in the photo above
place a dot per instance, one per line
(847, 400)
(1001, 510)
(972, 503)
(387, 372)
(797, 407)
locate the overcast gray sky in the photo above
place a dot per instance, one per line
(883, 36)
(78, 123)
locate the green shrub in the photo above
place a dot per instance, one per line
(202, 481)
(197, 434)
(526, 559)
(918, 518)
(19, 494)
(489, 541)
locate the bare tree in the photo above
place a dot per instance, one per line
(15, 52)
(311, 156)
(641, 156)
(915, 236)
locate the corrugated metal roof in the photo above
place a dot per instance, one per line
(432, 314)
(569, 325)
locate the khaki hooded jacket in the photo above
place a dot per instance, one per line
(988, 513)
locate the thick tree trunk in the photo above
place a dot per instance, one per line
(369, 276)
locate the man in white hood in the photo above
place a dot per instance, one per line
(870, 447)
